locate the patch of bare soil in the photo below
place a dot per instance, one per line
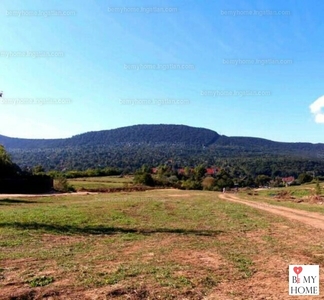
(179, 195)
(284, 195)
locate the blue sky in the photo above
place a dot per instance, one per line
(241, 68)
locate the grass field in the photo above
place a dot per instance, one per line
(160, 244)
(302, 192)
(104, 182)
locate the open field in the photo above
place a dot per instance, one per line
(104, 182)
(296, 197)
(159, 244)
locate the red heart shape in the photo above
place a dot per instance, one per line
(298, 270)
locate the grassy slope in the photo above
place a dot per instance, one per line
(167, 244)
(100, 182)
(298, 192)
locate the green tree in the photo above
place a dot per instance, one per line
(199, 172)
(7, 167)
(208, 183)
(262, 180)
(38, 169)
(144, 178)
(5, 158)
(223, 180)
(318, 189)
(61, 184)
(304, 178)
(191, 184)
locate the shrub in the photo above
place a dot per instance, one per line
(61, 184)
(144, 178)
(208, 183)
(191, 185)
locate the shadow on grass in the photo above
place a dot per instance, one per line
(103, 230)
(8, 201)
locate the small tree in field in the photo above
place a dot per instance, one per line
(144, 178)
(208, 183)
(61, 184)
(318, 189)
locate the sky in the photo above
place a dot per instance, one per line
(241, 68)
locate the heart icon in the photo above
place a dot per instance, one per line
(298, 270)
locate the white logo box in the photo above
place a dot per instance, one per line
(303, 280)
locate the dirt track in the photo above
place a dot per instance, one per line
(310, 218)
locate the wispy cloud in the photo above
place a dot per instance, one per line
(316, 109)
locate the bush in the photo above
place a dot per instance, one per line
(144, 178)
(318, 189)
(61, 185)
(304, 178)
(208, 183)
(191, 185)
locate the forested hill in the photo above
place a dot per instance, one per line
(130, 147)
(137, 134)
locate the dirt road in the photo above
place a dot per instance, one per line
(310, 218)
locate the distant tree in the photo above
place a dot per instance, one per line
(304, 178)
(38, 169)
(163, 171)
(187, 172)
(262, 180)
(7, 167)
(61, 184)
(199, 172)
(247, 181)
(5, 158)
(145, 169)
(173, 179)
(318, 189)
(223, 180)
(191, 184)
(208, 183)
(144, 178)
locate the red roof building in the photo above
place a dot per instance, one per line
(288, 180)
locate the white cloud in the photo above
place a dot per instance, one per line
(316, 109)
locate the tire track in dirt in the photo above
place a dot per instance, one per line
(310, 218)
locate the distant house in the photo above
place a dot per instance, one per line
(181, 171)
(288, 180)
(211, 171)
(154, 170)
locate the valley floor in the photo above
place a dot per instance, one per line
(158, 244)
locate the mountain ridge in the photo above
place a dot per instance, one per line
(133, 146)
(10, 141)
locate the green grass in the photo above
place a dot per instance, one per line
(41, 281)
(298, 192)
(176, 246)
(104, 182)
